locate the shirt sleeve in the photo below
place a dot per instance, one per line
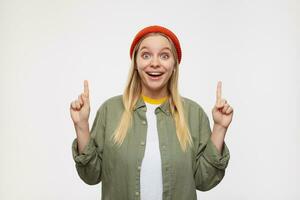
(89, 162)
(210, 163)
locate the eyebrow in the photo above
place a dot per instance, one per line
(144, 47)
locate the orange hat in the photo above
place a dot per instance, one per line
(160, 29)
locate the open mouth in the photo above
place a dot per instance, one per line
(155, 74)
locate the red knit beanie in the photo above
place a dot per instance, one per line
(155, 29)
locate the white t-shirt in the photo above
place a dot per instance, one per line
(151, 171)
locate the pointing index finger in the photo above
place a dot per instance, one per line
(86, 88)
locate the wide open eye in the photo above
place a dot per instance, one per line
(145, 55)
(165, 56)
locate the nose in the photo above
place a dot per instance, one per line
(155, 61)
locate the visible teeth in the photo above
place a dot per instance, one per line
(155, 73)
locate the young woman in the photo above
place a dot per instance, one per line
(150, 143)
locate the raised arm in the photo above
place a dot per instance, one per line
(222, 116)
(87, 148)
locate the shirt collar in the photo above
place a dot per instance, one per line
(164, 106)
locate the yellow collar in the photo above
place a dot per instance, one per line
(154, 101)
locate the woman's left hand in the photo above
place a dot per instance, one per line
(222, 111)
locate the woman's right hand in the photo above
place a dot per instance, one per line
(80, 108)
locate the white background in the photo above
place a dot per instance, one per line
(47, 49)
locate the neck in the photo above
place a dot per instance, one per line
(155, 94)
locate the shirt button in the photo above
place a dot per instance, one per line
(139, 168)
(164, 146)
(142, 143)
(143, 122)
(137, 193)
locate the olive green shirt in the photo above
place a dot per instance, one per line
(201, 167)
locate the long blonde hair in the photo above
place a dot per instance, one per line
(133, 91)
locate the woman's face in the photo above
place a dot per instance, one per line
(155, 64)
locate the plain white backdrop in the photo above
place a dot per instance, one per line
(47, 49)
